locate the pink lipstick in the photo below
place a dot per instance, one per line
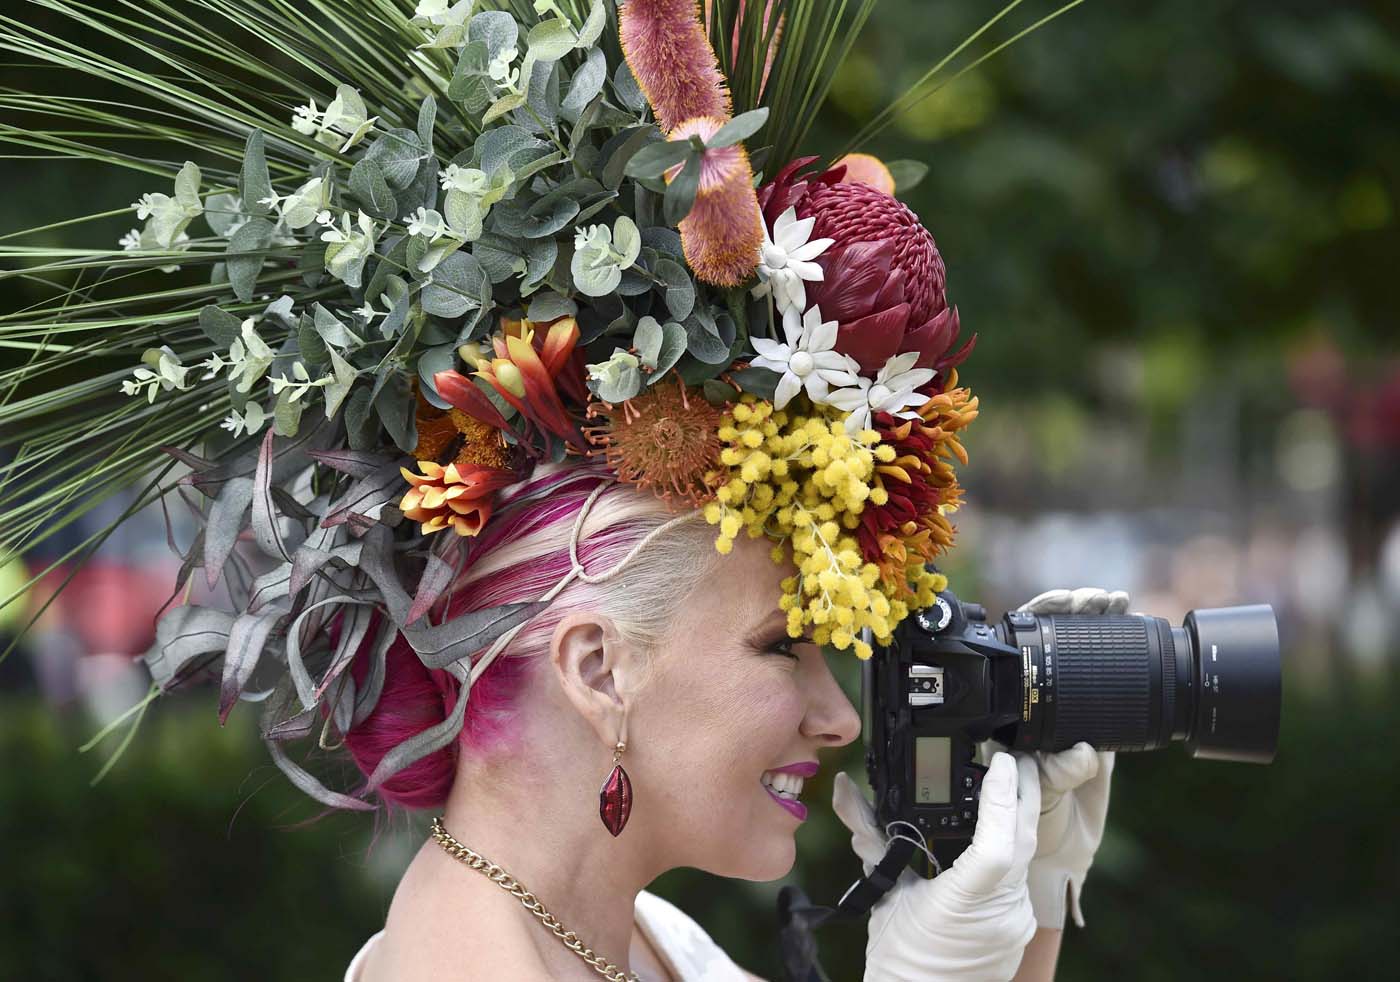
(795, 808)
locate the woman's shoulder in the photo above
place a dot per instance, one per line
(352, 973)
(692, 953)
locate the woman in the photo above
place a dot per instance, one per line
(679, 405)
(684, 656)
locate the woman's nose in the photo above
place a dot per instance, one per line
(830, 719)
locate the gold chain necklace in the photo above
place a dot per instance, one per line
(476, 861)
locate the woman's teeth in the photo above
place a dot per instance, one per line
(787, 786)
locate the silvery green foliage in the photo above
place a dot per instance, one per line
(333, 592)
(361, 252)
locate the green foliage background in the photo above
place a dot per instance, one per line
(1208, 186)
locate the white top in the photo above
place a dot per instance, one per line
(683, 945)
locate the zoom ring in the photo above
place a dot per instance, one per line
(1102, 682)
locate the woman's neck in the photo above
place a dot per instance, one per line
(552, 841)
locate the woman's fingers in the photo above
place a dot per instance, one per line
(1027, 816)
(993, 850)
(1049, 602)
(1067, 770)
(858, 815)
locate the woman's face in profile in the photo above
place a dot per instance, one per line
(734, 699)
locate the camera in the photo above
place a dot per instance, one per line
(949, 680)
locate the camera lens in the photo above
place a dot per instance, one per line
(1131, 682)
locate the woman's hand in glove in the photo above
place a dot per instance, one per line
(972, 921)
(1073, 808)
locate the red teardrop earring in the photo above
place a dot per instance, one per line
(615, 797)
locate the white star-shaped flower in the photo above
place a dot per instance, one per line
(892, 391)
(806, 360)
(787, 260)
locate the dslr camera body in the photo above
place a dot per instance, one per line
(950, 680)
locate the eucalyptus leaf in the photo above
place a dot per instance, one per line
(430, 362)
(585, 85)
(395, 408)
(398, 152)
(907, 174)
(629, 93)
(246, 254)
(470, 85)
(253, 181)
(427, 117)
(592, 28)
(739, 128)
(673, 345)
(703, 340)
(760, 381)
(221, 211)
(647, 341)
(361, 425)
(680, 289)
(497, 146)
(497, 29)
(287, 413)
(540, 257)
(332, 331)
(620, 149)
(550, 306)
(657, 157)
(503, 105)
(219, 325)
(546, 216)
(680, 193)
(368, 185)
(551, 39)
(456, 286)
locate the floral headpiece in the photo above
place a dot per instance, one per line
(551, 240)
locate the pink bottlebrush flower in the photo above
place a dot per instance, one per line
(665, 47)
(723, 233)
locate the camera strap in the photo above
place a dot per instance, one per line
(798, 917)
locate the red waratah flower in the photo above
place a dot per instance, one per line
(883, 279)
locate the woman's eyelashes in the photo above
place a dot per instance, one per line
(783, 645)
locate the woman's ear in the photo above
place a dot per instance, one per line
(596, 670)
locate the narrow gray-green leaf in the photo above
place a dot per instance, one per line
(309, 785)
(246, 640)
(224, 524)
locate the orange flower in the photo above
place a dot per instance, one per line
(525, 376)
(662, 440)
(455, 496)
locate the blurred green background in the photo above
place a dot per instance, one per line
(1173, 227)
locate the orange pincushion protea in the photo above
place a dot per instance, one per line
(456, 497)
(661, 440)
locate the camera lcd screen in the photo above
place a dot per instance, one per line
(933, 762)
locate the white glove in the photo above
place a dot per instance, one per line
(1074, 804)
(1073, 789)
(972, 921)
(1085, 600)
